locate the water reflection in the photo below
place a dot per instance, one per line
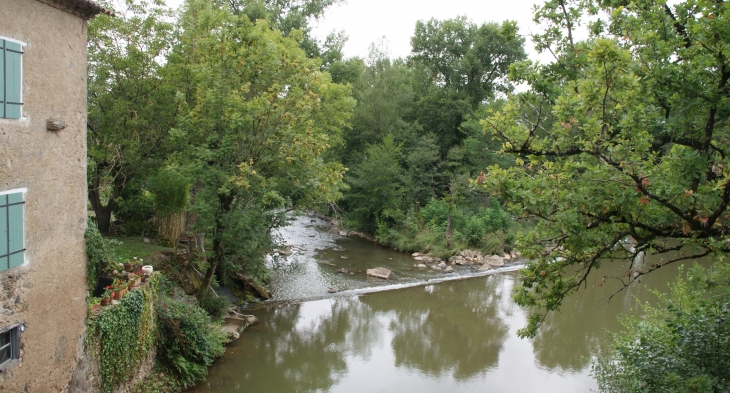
(451, 336)
(569, 338)
(446, 328)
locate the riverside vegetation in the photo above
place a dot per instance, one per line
(219, 120)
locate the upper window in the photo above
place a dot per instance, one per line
(11, 76)
(12, 248)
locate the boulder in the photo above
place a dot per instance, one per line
(343, 233)
(457, 260)
(494, 261)
(484, 268)
(467, 254)
(442, 264)
(416, 254)
(421, 266)
(343, 271)
(379, 272)
(436, 268)
(449, 269)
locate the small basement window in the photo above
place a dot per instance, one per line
(9, 346)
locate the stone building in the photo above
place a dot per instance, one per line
(42, 191)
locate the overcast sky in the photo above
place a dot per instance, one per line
(367, 21)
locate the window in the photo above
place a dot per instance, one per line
(9, 351)
(12, 248)
(11, 75)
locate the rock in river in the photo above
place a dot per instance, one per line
(494, 261)
(484, 268)
(379, 272)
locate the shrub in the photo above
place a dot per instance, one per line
(681, 346)
(215, 306)
(97, 252)
(187, 344)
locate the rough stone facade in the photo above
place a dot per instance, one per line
(47, 294)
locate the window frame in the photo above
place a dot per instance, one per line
(22, 192)
(15, 330)
(4, 77)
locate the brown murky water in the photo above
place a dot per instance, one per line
(453, 336)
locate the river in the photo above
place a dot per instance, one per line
(421, 331)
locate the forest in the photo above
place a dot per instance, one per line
(221, 119)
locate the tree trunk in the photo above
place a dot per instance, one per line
(210, 273)
(224, 206)
(103, 213)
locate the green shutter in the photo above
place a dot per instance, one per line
(3, 232)
(12, 79)
(12, 249)
(15, 213)
(2, 82)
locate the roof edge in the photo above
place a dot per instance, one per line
(85, 9)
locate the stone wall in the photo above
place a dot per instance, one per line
(47, 293)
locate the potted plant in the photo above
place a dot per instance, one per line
(128, 265)
(94, 305)
(106, 296)
(119, 288)
(134, 280)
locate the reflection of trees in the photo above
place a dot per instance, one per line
(449, 326)
(283, 355)
(570, 338)
(307, 359)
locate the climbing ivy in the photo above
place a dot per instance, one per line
(122, 336)
(97, 253)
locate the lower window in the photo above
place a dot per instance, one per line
(9, 350)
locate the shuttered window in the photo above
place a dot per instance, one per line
(11, 76)
(12, 249)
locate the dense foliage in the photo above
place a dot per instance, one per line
(97, 254)
(187, 344)
(415, 134)
(257, 121)
(122, 336)
(624, 135)
(681, 346)
(131, 107)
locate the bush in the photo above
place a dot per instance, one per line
(215, 306)
(187, 344)
(681, 346)
(97, 252)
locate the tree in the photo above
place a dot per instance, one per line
(289, 16)
(460, 66)
(376, 186)
(624, 136)
(131, 101)
(258, 122)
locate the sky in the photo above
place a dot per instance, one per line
(367, 21)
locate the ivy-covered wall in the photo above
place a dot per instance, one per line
(121, 339)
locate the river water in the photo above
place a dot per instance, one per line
(434, 332)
